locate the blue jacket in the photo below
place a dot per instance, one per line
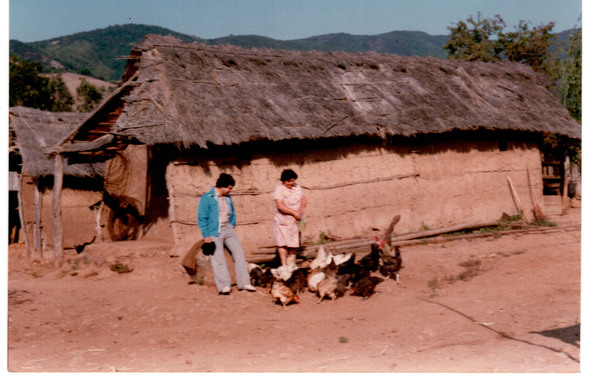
(208, 214)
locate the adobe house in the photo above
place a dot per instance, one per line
(31, 172)
(370, 136)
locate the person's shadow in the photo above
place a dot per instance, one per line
(566, 334)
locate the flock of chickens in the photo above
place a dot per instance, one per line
(330, 276)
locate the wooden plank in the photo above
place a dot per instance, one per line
(57, 227)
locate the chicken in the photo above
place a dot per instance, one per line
(297, 282)
(391, 265)
(320, 259)
(327, 287)
(314, 278)
(371, 260)
(283, 294)
(255, 272)
(266, 279)
(343, 284)
(284, 272)
(365, 287)
(342, 258)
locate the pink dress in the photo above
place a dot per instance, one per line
(286, 229)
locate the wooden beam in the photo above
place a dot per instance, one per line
(57, 227)
(87, 146)
(22, 217)
(37, 211)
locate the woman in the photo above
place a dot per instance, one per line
(289, 210)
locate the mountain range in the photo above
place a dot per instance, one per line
(102, 53)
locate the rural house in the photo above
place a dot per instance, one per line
(31, 173)
(370, 136)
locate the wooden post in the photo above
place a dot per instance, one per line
(516, 199)
(57, 228)
(37, 210)
(537, 209)
(566, 202)
(22, 217)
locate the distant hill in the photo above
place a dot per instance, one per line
(101, 53)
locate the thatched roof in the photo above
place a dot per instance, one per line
(195, 94)
(35, 130)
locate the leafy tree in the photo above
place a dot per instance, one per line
(60, 97)
(476, 43)
(571, 76)
(485, 40)
(27, 87)
(89, 96)
(531, 47)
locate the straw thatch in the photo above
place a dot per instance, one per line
(194, 94)
(37, 130)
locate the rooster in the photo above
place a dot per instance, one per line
(283, 294)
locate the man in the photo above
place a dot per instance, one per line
(216, 220)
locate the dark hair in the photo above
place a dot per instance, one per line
(288, 174)
(225, 180)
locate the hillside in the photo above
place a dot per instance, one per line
(101, 53)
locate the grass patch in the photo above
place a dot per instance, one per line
(543, 222)
(472, 269)
(120, 268)
(322, 239)
(434, 284)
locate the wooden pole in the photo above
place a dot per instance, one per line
(535, 206)
(37, 210)
(565, 203)
(22, 218)
(516, 199)
(57, 227)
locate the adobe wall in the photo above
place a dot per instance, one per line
(79, 223)
(354, 188)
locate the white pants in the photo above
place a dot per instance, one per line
(229, 239)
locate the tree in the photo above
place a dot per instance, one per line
(531, 47)
(571, 76)
(475, 43)
(60, 97)
(485, 40)
(89, 96)
(29, 88)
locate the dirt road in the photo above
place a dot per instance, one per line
(516, 310)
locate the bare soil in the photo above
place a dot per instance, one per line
(517, 310)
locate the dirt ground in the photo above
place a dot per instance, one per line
(520, 312)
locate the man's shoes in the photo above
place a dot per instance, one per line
(249, 288)
(226, 290)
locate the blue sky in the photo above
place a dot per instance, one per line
(33, 20)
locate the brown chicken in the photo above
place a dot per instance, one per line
(327, 288)
(283, 294)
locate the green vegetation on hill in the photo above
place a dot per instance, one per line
(101, 53)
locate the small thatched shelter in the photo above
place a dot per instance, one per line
(369, 135)
(32, 133)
